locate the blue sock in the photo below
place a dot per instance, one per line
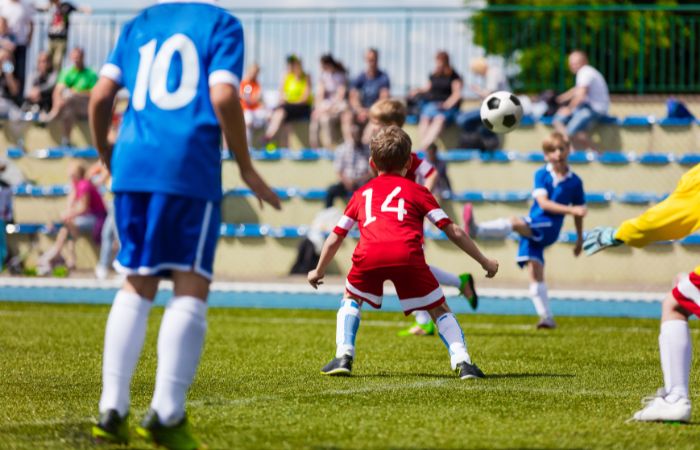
(346, 327)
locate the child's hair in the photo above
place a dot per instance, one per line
(390, 149)
(555, 141)
(388, 111)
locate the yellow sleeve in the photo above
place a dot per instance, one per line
(673, 218)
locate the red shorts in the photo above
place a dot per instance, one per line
(416, 286)
(687, 293)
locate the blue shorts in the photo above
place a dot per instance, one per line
(544, 234)
(432, 109)
(581, 119)
(160, 233)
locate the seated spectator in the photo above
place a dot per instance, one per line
(6, 214)
(109, 241)
(58, 29)
(585, 103)
(20, 21)
(72, 94)
(39, 97)
(296, 98)
(370, 86)
(494, 80)
(9, 85)
(351, 163)
(330, 102)
(443, 186)
(85, 214)
(7, 40)
(441, 99)
(254, 110)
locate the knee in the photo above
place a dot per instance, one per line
(350, 306)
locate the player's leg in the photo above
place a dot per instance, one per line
(497, 228)
(276, 121)
(452, 336)
(347, 324)
(464, 282)
(422, 326)
(539, 294)
(314, 125)
(124, 336)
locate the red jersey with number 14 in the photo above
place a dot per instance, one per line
(389, 211)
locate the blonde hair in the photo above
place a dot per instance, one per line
(390, 149)
(479, 65)
(388, 112)
(555, 141)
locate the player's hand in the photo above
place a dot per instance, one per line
(599, 239)
(491, 268)
(579, 211)
(578, 247)
(261, 190)
(315, 278)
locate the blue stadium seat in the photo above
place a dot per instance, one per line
(25, 228)
(247, 230)
(568, 237)
(689, 159)
(412, 119)
(435, 234)
(468, 196)
(458, 154)
(693, 239)
(613, 158)
(655, 159)
(238, 192)
(86, 153)
(547, 120)
(609, 120)
(312, 194)
(288, 232)
(508, 196)
(498, 156)
(675, 122)
(637, 121)
(582, 157)
(15, 153)
(599, 198)
(307, 154)
(527, 121)
(50, 153)
(637, 198)
(534, 157)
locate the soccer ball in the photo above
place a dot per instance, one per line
(501, 112)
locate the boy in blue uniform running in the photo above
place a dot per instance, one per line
(181, 63)
(557, 192)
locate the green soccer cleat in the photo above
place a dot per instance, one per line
(418, 329)
(466, 288)
(176, 437)
(111, 428)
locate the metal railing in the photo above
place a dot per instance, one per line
(639, 49)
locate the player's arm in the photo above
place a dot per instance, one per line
(100, 116)
(578, 223)
(333, 243)
(462, 240)
(552, 207)
(227, 106)
(431, 180)
(566, 96)
(579, 96)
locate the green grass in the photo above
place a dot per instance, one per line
(259, 385)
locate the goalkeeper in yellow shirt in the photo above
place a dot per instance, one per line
(673, 218)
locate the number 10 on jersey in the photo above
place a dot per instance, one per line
(400, 210)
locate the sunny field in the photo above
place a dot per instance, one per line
(259, 385)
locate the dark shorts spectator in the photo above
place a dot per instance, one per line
(296, 111)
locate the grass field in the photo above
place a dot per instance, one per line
(259, 385)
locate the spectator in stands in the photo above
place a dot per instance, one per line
(295, 98)
(7, 40)
(330, 102)
(441, 98)
(6, 213)
(370, 86)
(351, 163)
(85, 214)
(494, 80)
(72, 94)
(585, 104)
(20, 19)
(58, 28)
(442, 186)
(254, 110)
(43, 81)
(109, 241)
(9, 85)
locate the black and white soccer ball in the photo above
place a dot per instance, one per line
(501, 112)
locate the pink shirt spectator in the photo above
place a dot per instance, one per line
(95, 205)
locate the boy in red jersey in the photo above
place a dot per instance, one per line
(390, 210)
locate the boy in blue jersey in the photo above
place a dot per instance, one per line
(181, 63)
(558, 192)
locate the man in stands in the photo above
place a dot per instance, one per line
(72, 93)
(585, 104)
(19, 15)
(58, 29)
(351, 163)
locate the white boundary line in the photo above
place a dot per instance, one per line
(292, 288)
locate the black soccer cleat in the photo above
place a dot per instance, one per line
(111, 428)
(339, 367)
(465, 370)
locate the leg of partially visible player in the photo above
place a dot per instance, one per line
(124, 336)
(453, 338)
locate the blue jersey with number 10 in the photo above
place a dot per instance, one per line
(167, 58)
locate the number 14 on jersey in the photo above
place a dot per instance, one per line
(400, 210)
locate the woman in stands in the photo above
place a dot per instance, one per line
(331, 101)
(254, 111)
(295, 98)
(85, 214)
(442, 97)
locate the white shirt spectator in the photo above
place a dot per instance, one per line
(598, 96)
(495, 80)
(332, 81)
(19, 15)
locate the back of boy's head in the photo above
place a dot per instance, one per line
(555, 141)
(387, 112)
(390, 148)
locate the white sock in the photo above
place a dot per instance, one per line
(422, 317)
(538, 293)
(499, 228)
(453, 338)
(180, 343)
(665, 361)
(445, 278)
(348, 321)
(124, 336)
(677, 348)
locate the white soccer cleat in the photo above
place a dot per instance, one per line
(661, 410)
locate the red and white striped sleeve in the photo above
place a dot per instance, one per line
(349, 218)
(433, 212)
(425, 169)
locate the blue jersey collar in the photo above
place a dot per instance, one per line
(556, 179)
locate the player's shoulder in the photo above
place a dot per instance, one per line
(543, 172)
(207, 14)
